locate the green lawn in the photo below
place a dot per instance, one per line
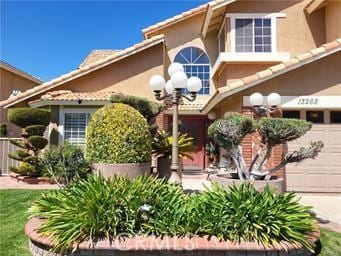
(13, 242)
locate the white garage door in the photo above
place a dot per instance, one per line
(322, 174)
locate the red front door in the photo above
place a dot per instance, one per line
(195, 127)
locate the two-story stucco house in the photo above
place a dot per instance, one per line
(236, 47)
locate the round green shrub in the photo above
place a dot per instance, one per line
(35, 130)
(37, 141)
(118, 133)
(24, 117)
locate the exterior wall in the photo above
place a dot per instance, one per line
(321, 77)
(129, 76)
(333, 20)
(9, 82)
(190, 31)
(296, 33)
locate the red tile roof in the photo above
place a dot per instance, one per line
(96, 55)
(278, 69)
(83, 70)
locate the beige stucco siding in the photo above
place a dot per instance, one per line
(129, 76)
(321, 77)
(10, 81)
(333, 20)
(296, 33)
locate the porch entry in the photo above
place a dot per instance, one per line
(196, 127)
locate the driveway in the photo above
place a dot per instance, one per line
(326, 207)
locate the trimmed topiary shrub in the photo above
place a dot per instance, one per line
(147, 108)
(26, 169)
(24, 117)
(34, 121)
(3, 130)
(37, 141)
(118, 133)
(35, 130)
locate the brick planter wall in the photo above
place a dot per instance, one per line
(168, 246)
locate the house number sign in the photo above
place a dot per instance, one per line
(308, 101)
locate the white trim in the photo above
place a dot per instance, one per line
(308, 102)
(272, 16)
(62, 112)
(223, 25)
(40, 103)
(240, 57)
(225, 91)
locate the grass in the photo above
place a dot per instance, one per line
(13, 216)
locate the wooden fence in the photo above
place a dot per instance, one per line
(5, 162)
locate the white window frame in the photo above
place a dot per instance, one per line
(272, 16)
(209, 68)
(223, 25)
(63, 111)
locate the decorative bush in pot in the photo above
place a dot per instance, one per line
(34, 122)
(229, 132)
(162, 147)
(119, 141)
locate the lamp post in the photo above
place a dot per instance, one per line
(272, 108)
(173, 91)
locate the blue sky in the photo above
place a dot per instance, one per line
(50, 38)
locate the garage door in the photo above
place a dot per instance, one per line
(322, 174)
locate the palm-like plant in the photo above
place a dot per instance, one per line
(162, 145)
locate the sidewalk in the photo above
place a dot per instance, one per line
(7, 182)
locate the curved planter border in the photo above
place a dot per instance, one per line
(223, 180)
(130, 170)
(39, 246)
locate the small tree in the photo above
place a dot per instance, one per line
(229, 132)
(34, 122)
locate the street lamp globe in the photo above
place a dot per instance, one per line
(274, 99)
(157, 83)
(179, 80)
(175, 67)
(169, 87)
(256, 99)
(194, 84)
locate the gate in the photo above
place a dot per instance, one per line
(5, 148)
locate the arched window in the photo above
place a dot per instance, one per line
(196, 63)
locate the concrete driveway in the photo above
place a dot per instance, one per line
(326, 207)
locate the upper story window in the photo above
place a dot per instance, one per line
(196, 63)
(222, 38)
(254, 32)
(253, 35)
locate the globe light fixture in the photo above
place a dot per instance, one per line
(174, 92)
(212, 115)
(274, 99)
(175, 67)
(169, 87)
(256, 99)
(194, 84)
(179, 80)
(157, 83)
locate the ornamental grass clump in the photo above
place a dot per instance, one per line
(96, 208)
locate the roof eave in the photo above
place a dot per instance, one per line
(87, 70)
(225, 91)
